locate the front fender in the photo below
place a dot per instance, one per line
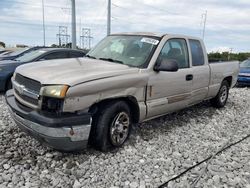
(83, 96)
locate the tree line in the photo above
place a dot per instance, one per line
(226, 56)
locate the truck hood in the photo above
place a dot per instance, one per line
(73, 71)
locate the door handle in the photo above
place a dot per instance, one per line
(189, 77)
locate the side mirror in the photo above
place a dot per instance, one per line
(170, 65)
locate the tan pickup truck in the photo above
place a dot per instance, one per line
(127, 78)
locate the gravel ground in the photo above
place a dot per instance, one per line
(157, 150)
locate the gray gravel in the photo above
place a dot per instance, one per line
(156, 151)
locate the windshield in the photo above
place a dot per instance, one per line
(18, 52)
(129, 50)
(245, 63)
(30, 56)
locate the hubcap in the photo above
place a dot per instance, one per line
(223, 95)
(119, 128)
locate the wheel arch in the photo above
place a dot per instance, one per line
(229, 80)
(130, 100)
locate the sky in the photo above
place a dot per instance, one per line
(227, 25)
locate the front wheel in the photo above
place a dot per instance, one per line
(220, 99)
(111, 126)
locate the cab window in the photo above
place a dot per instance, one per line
(197, 53)
(175, 49)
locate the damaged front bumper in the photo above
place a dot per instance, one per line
(66, 132)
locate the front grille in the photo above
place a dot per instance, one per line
(29, 84)
(26, 98)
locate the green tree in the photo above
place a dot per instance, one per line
(2, 44)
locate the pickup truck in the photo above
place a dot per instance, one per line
(126, 79)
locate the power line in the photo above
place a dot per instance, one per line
(24, 23)
(63, 37)
(125, 20)
(149, 6)
(29, 4)
(86, 38)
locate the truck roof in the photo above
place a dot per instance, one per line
(152, 34)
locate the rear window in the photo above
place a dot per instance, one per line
(197, 53)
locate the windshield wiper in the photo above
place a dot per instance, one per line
(89, 56)
(111, 60)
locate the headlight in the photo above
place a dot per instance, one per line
(57, 91)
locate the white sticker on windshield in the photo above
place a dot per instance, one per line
(150, 40)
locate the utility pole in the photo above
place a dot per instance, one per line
(63, 37)
(109, 18)
(86, 38)
(44, 43)
(229, 54)
(80, 27)
(73, 5)
(204, 25)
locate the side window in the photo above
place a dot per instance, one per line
(197, 53)
(56, 55)
(175, 49)
(75, 54)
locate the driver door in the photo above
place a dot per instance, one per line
(170, 91)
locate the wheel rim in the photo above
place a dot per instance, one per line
(223, 96)
(119, 128)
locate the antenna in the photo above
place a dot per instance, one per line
(204, 25)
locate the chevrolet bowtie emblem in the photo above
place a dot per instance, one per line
(20, 89)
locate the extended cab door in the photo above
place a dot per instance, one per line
(201, 71)
(170, 91)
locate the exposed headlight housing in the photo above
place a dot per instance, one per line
(55, 91)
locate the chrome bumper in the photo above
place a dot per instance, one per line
(68, 132)
(76, 133)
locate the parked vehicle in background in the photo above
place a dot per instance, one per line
(18, 53)
(5, 52)
(8, 67)
(127, 78)
(244, 75)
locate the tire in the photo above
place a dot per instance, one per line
(220, 99)
(107, 131)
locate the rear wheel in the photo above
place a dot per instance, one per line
(111, 126)
(220, 99)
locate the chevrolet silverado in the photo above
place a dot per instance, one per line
(126, 79)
